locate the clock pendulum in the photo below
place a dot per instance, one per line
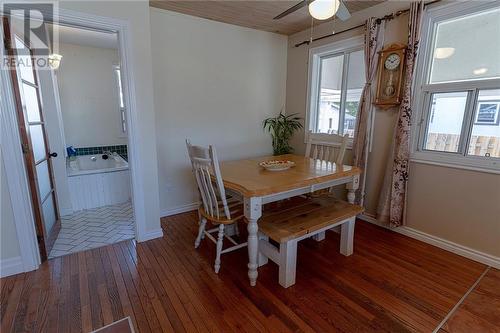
(389, 89)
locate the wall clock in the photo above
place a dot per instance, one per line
(390, 75)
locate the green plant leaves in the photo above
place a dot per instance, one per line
(281, 129)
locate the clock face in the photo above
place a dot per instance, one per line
(392, 62)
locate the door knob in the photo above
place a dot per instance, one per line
(53, 155)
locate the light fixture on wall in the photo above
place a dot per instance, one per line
(323, 9)
(55, 60)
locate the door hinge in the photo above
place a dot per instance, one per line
(25, 148)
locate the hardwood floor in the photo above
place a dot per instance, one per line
(480, 311)
(391, 284)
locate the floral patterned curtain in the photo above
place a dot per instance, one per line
(393, 197)
(374, 40)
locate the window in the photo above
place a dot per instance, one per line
(458, 94)
(123, 120)
(336, 81)
(487, 113)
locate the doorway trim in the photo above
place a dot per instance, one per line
(17, 180)
(15, 170)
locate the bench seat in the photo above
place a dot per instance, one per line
(303, 217)
(289, 221)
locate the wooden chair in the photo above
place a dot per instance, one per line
(330, 148)
(322, 146)
(326, 147)
(216, 207)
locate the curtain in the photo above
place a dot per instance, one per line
(374, 40)
(392, 201)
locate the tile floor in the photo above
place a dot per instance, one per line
(92, 228)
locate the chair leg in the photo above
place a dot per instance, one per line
(236, 230)
(200, 219)
(201, 233)
(219, 248)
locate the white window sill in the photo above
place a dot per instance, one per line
(457, 162)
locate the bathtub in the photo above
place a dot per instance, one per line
(96, 182)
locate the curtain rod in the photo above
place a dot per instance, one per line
(379, 20)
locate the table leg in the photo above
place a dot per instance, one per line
(253, 211)
(351, 189)
(262, 259)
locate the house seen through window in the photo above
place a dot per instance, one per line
(336, 86)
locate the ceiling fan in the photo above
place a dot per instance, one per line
(320, 9)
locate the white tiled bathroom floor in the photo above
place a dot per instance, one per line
(92, 228)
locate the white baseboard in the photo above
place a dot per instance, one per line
(179, 209)
(444, 244)
(11, 266)
(65, 211)
(151, 235)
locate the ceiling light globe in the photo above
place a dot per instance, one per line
(323, 9)
(444, 52)
(480, 71)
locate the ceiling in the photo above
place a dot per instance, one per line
(253, 14)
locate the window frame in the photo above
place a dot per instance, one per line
(122, 110)
(423, 92)
(341, 47)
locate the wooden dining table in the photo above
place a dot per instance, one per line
(259, 186)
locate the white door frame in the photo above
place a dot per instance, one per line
(11, 144)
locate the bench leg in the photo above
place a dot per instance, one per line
(319, 237)
(347, 237)
(262, 259)
(288, 263)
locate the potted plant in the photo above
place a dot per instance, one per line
(281, 129)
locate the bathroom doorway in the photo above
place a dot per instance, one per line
(96, 207)
(85, 151)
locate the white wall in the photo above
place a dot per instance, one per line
(9, 245)
(214, 84)
(88, 93)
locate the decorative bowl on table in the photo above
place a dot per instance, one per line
(277, 165)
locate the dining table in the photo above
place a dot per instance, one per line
(259, 186)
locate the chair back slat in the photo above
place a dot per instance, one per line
(205, 163)
(322, 146)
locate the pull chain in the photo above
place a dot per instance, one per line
(333, 25)
(312, 31)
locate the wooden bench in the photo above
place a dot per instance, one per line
(293, 220)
